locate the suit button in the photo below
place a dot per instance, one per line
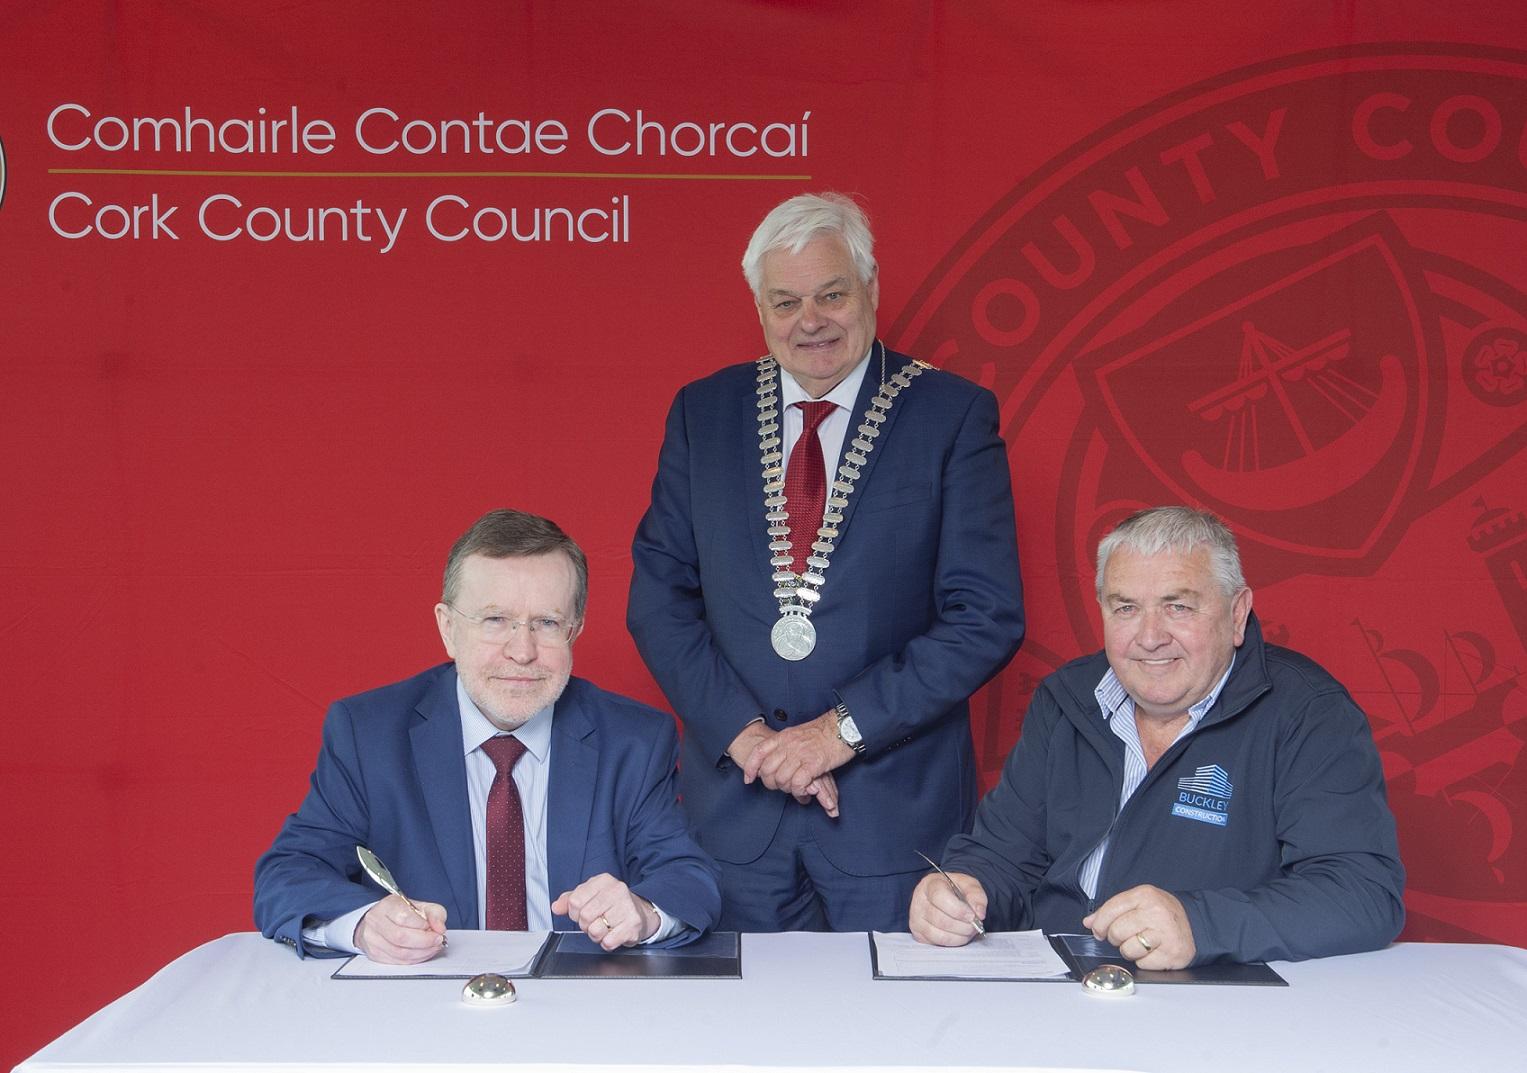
(781, 715)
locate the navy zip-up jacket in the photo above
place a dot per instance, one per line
(1269, 822)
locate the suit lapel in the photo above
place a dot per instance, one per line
(570, 791)
(867, 391)
(442, 774)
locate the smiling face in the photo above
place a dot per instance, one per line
(1169, 628)
(510, 681)
(818, 316)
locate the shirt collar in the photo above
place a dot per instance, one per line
(1112, 697)
(534, 733)
(844, 395)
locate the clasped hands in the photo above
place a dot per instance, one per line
(798, 760)
(603, 907)
(1147, 924)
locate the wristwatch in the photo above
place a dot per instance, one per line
(848, 731)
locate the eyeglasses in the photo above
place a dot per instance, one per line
(497, 629)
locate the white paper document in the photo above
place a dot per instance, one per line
(467, 953)
(998, 955)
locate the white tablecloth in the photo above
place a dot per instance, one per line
(807, 1001)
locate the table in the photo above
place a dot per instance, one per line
(807, 1001)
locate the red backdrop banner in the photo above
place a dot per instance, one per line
(294, 293)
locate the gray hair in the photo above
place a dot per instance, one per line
(791, 224)
(504, 534)
(1181, 530)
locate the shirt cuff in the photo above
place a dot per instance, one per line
(667, 927)
(339, 933)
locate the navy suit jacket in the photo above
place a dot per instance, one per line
(922, 604)
(391, 775)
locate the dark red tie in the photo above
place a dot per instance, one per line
(806, 482)
(506, 838)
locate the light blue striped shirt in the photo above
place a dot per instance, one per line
(1118, 711)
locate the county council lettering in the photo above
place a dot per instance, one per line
(448, 218)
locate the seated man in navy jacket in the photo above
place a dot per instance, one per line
(501, 792)
(1190, 794)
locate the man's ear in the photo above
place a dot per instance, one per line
(443, 622)
(1241, 609)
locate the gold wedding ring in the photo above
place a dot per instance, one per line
(1140, 938)
(607, 926)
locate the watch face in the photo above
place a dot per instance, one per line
(848, 731)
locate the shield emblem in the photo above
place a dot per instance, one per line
(1287, 389)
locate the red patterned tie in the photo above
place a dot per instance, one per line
(806, 482)
(506, 838)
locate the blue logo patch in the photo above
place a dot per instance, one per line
(1204, 796)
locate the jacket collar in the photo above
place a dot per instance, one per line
(1248, 680)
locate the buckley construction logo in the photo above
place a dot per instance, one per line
(1204, 796)
(1293, 294)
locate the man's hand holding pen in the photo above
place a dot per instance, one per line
(393, 933)
(939, 914)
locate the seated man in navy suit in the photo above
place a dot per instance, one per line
(501, 792)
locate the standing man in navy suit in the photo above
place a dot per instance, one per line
(501, 791)
(826, 573)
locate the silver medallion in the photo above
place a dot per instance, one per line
(793, 636)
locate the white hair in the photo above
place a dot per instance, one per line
(791, 224)
(1181, 530)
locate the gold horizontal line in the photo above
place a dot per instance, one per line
(185, 173)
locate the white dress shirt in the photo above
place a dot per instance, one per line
(834, 427)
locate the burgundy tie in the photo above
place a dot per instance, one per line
(506, 838)
(806, 482)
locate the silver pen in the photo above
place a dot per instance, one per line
(383, 877)
(958, 893)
